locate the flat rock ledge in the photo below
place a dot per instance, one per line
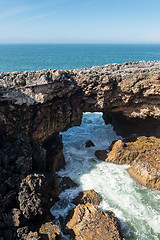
(143, 154)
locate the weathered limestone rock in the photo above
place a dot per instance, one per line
(144, 156)
(34, 198)
(31, 236)
(145, 174)
(50, 230)
(24, 158)
(128, 92)
(89, 196)
(89, 223)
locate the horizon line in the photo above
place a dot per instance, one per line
(36, 43)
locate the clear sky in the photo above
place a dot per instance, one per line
(79, 21)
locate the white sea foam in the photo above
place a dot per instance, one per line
(137, 207)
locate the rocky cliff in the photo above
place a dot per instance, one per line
(35, 106)
(42, 103)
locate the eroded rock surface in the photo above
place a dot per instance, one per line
(24, 194)
(40, 104)
(89, 196)
(33, 198)
(143, 155)
(128, 91)
(50, 230)
(89, 223)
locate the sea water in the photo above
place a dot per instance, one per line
(137, 208)
(27, 57)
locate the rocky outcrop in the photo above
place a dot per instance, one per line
(50, 230)
(89, 223)
(89, 143)
(127, 92)
(33, 198)
(143, 154)
(89, 196)
(101, 154)
(86, 221)
(66, 183)
(25, 195)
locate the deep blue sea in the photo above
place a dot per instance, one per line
(15, 57)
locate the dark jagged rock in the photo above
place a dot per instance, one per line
(21, 166)
(101, 154)
(67, 182)
(34, 198)
(39, 158)
(89, 143)
(13, 218)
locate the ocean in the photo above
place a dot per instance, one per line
(16, 57)
(137, 207)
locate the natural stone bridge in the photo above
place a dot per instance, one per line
(42, 103)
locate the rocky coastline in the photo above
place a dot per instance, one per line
(35, 106)
(142, 153)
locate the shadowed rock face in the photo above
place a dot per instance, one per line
(42, 103)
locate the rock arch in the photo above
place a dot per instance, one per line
(42, 103)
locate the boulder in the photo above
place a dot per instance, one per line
(89, 223)
(31, 236)
(89, 143)
(101, 154)
(90, 196)
(33, 196)
(144, 156)
(50, 230)
(145, 174)
(67, 182)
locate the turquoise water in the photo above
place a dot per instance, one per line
(15, 57)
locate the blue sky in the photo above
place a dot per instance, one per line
(79, 21)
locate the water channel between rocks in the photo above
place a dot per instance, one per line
(137, 208)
